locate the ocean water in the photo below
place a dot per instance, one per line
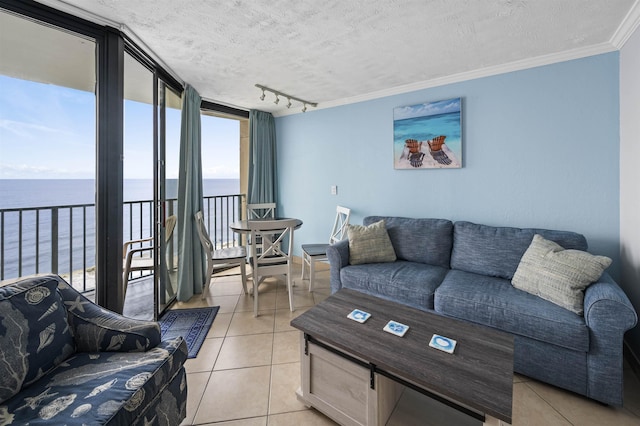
(21, 193)
(23, 240)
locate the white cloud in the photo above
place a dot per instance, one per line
(432, 108)
(26, 130)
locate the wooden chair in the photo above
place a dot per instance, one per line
(312, 253)
(219, 257)
(276, 257)
(141, 258)
(259, 211)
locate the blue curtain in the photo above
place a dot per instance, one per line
(191, 263)
(263, 178)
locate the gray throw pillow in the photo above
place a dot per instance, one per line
(560, 276)
(370, 244)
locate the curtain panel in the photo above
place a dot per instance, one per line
(263, 176)
(191, 260)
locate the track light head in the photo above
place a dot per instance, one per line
(284, 95)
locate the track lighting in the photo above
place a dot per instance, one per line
(289, 97)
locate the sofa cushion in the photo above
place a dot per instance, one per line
(103, 388)
(409, 283)
(35, 334)
(558, 275)
(369, 244)
(496, 251)
(419, 240)
(496, 303)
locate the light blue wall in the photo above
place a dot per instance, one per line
(540, 149)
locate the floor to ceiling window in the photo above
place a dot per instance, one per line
(62, 116)
(89, 132)
(47, 151)
(221, 175)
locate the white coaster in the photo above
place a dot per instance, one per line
(396, 328)
(359, 316)
(443, 343)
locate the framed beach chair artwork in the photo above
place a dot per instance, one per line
(428, 136)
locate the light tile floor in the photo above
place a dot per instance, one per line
(248, 369)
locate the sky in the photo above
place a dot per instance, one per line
(427, 109)
(48, 132)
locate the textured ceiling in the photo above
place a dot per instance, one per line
(336, 51)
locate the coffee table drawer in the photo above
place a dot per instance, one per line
(341, 388)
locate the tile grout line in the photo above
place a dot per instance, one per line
(549, 404)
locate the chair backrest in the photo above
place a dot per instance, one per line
(339, 230)
(277, 240)
(169, 225)
(203, 234)
(261, 211)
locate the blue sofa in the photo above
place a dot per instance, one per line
(464, 270)
(65, 360)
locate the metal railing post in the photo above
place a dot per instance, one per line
(54, 240)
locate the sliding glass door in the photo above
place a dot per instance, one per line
(169, 155)
(151, 146)
(139, 213)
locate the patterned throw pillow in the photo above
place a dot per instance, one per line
(560, 276)
(34, 332)
(369, 244)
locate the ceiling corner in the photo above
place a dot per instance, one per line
(627, 27)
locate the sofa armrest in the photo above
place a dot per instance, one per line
(606, 305)
(96, 329)
(609, 314)
(338, 255)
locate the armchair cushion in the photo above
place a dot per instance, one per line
(369, 244)
(115, 388)
(35, 334)
(99, 330)
(560, 276)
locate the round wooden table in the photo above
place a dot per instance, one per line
(242, 226)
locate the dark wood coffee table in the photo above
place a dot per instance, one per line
(355, 373)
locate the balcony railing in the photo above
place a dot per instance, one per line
(61, 239)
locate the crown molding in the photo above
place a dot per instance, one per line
(469, 75)
(627, 27)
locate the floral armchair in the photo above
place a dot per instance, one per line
(66, 360)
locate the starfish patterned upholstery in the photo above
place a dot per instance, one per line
(66, 360)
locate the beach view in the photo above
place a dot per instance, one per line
(48, 167)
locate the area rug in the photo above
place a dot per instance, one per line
(192, 324)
